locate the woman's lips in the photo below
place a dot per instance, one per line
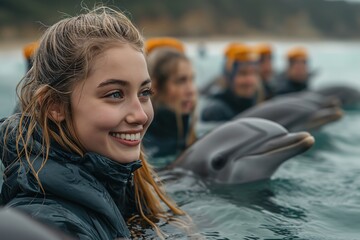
(187, 105)
(128, 139)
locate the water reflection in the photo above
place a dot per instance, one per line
(260, 196)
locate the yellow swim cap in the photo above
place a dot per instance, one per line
(154, 43)
(298, 53)
(30, 49)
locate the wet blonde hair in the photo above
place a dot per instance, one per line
(64, 59)
(162, 64)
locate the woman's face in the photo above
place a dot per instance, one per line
(180, 91)
(246, 80)
(298, 70)
(265, 68)
(111, 109)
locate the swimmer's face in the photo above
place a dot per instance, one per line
(246, 80)
(298, 70)
(180, 90)
(265, 67)
(111, 109)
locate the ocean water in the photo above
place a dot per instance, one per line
(315, 195)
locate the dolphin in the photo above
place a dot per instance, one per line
(315, 98)
(297, 112)
(348, 96)
(243, 150)
(16, 225)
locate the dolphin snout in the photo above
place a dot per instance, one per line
(293, 143)
(307, 140)
(297, 142)
(324, 116)
(333, 102)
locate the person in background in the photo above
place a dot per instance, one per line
(242, 85)
(297, 75)
(73, 157)
(265, 57)
(28, 52)
(153, 44)
(173, 127)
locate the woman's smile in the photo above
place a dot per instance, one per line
(128, 139)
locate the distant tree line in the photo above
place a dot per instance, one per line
(197, 18)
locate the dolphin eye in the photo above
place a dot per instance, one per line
(218, 162)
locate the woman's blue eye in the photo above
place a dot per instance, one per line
(115, 95)
(146, 93)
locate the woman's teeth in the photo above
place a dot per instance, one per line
(128, 137)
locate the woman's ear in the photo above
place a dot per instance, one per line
(56, 107)
(57, 112)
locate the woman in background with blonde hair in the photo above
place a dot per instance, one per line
(73, 156)
(173, 128)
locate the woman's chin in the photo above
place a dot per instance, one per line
(246, 94)
(187, 111)
(187, 108)
(128, 158)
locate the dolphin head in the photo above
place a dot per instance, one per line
(346, 95)
(298, 112)
(243, 150)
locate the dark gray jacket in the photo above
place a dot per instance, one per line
(224, 106)
(88, 197)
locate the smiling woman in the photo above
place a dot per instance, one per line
(73, 156)
(113, 108)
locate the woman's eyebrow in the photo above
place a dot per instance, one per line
(114, 81)
(147, 81)
(120, 82)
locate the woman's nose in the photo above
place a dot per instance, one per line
(190, 88)
(137, 114)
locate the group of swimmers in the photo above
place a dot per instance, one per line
(73, 153)
(247, 80)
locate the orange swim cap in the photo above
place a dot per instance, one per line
(230, 48)
(154, 43)
(263, 49)
(238, 52)
(298, 53)
(30, 49)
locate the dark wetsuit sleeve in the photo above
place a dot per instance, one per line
(283, 85)
(216, 111)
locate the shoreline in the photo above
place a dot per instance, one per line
(16, 44)
(265, 39)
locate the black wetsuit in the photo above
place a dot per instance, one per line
(225, 105)
(268, 89)
(163, 139)
(88, 197)
(283, 84)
